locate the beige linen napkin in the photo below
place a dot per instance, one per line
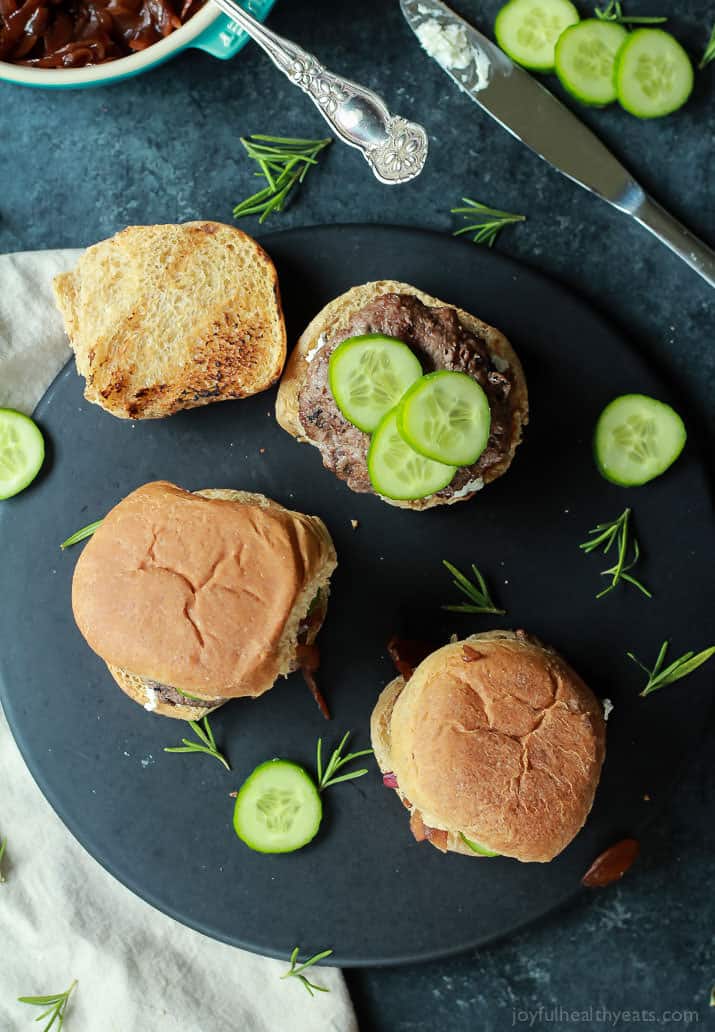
(61, 915)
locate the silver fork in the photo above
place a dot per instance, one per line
(395, 149)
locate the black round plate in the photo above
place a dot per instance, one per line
(162, 823)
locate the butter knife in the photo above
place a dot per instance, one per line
(527, 110)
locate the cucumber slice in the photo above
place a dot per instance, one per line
(476, 847)
(637, 438)
(654, 75)
(527, 30)
(368, 376)
(398, 471)
(445, 416)
(22, 452)
(586, 60)
(278, 808)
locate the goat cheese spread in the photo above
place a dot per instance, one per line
(322, 341)
(471, 485)
(450, 47)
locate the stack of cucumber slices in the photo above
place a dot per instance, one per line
(597, 61)
(422, 427)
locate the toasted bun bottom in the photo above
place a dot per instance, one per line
(334, 318)
(140, 688)
(504, 746)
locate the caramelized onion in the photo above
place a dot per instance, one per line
(612, 864)
(438, 838)
(422, 832)
(77, 33)
(417, 826)
(308, 659)
(469, 655)
(407, 653)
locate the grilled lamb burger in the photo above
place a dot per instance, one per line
(405, 396)
(495, 746)
(194, 599)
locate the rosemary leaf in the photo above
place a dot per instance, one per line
(57, 1006)
(618, 532)
(613, 11)
(484, 222)
(80, 535)
(480, 601)
(297, 971)
(686, 664)
(326, 777)
(313, 960)
(284, 163)
(347, 777)
(319, 760)
(205, 736)
(709, 53)
(3, 844)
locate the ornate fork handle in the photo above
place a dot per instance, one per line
(395, 149)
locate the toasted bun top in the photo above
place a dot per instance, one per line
(163, 318)
(200, 593)
(498, 738)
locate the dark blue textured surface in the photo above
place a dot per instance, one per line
(76, 167)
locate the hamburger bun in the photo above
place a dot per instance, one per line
(495, 738)
(203, 594)
(333, 321)
(163, 318)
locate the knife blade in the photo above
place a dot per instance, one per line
(527, 110)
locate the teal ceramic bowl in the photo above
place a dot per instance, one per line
(208, 30)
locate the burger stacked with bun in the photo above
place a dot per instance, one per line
(495, 746)
(195, 599)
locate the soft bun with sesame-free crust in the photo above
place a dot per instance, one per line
(194, 599)
(163, 318)
(494, 739)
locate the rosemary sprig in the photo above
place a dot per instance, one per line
(613, 11)
(297, 972)
(80, 535)
(681, 667)
(205, 736)
(56, 1006)
(486, 223)
(481, 600)
(3, 844)
(709, 54)
(620, 533)
(284, 162)
(336, 762)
